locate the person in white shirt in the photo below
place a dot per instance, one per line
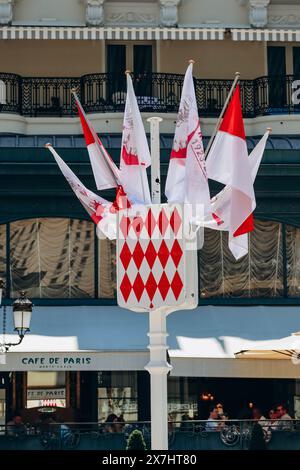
(274, 419)
(285, 421)
(213, 423)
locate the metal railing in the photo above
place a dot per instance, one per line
(188, 435)
(156, 92)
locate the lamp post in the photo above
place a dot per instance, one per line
(22, 311)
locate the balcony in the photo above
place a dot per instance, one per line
(156, 92)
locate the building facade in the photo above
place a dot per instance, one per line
(85, 356)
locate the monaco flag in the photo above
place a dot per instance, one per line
(187, 179)
(228, 163)
(106, 173)
(220, 217)
(221, 202)
(135, 155)
(101, 211)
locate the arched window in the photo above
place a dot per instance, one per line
(293, 260)
(259, 274)
(57, 258)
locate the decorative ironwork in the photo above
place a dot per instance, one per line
(156, 92)
(231, 435)
(48, 96)
(190, 435)
(13, 87)
(22, 310)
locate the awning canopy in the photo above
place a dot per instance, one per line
(146, 33)
(203, 342)
(110, 33)
(274, 34)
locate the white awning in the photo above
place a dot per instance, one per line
(285, 348)
(279, 35)
(202, 342)
(146, 33)
(111, 33)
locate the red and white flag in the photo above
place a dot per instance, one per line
(135, 154)
(101, 211)
(106, 173)
(220, 217)
(228, 163)
(187, 178)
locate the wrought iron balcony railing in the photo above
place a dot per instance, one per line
(156, 92)
(184, 435)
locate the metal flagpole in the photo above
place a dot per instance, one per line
(155, 159)
(210, 142)
(158, 366)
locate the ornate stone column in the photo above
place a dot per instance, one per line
(258, 15)
(169, 12)
(94, 12)
(6, 11)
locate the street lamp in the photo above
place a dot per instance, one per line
(22, 311)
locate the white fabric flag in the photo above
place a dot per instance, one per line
(228, 163)
(219, 219)
(106, 173)
(135, 155)
(99, 209)
(187, 178)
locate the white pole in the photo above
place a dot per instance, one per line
(158, 367)
(155, 159)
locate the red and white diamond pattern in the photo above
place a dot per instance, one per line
(151, 261)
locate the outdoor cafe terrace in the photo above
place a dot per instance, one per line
(187, 435)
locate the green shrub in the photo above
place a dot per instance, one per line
(136, 441)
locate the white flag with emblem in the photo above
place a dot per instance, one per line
(220, 217)
(187, 179)
(135, 154)
(105, 172)
(101, 211)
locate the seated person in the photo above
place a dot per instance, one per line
(285, 420)
(15, 427)
(111, 423)
(260, 419)
(213, 423)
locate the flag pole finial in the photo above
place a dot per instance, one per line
(127, 72)
(191, 61)
(269, 129)
(48, 145)
(73, 90)
(237, 74)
